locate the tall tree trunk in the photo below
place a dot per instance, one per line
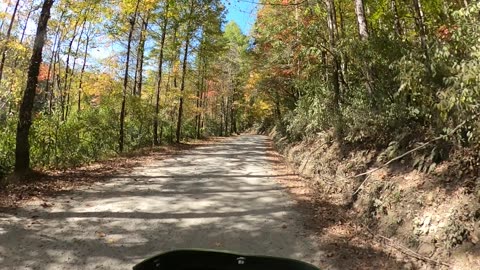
(22, 150)
(184, 73)
(7, 39)
(55, 77)
(2, 22)
(422, 31)
(24, 30)
(203, 100)
(137, 89)
(177, 54)
(156, 141)
(396, 18)
(233, 121)
(69, 88)
(333, 33)
(65, 95)
(200, 94)
(197, 107)
(361, 19)
(170, 112)
(80, 83)
(125, 80)
(226, 114)
(142, 56)
(364, 35)
(51, 67)
(200, 115)
(222, 115)
(343, 58)
(182, 87)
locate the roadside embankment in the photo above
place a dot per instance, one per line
(434, 216)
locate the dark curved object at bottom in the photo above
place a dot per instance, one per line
(217, 260)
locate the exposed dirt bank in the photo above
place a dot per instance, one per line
(218, 196)
(434, 217)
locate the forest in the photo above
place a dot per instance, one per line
(371, 72)
(121, 75)
(106, 77)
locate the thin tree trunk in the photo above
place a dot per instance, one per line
(51, 66)
(227, 114)
(203, 100)
(200, 115)
(22, 150)
(333, 32)
(65, 99)
(177, 53)
(24, 29)
(396, 18)
(182, 87)
(2, 22)
(361, 19)
(171, 112)
(156, 141)
(184, 74)
(200, 95)
(233, 122)
(74, 64)
(364, 35)
(142, 56)
(420, 22)
(343, 76)
(22, 37)
(197, 108)
(7, 39)
(125, 81)
(80, 84)
(137, 88)
(222, 117)
(55, 77)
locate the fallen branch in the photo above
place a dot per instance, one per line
(310, 156)
(389, 242)
(421, 146)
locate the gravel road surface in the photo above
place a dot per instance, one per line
(220, 196)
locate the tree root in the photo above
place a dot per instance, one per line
(421, 146)
(390, 243)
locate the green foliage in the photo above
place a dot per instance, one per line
(459, 56)
(392, 89)
(83, 83)
(86, 136)
(7, 145)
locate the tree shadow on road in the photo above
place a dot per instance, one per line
(215, 197)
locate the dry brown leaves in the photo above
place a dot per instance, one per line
(347, 246)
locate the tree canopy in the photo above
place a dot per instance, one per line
(120, 75)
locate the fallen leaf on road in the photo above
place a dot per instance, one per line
(100, 234)
(112, 240)
(46, 205)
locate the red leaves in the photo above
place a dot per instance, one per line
(43, 74)
(445, 32)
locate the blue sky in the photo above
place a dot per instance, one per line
(243, 12)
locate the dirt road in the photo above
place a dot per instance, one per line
(219, 196)
(229, 195)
